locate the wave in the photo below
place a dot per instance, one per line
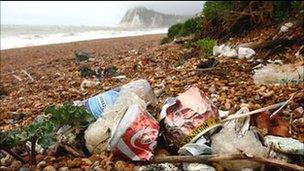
(25, 40)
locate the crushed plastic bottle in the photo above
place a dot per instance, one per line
(97, 105)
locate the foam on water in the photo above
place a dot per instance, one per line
(19, 40)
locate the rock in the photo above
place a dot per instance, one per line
(63, 169)
(15, 165)
(197, 167)
(86, 161)
(82, 56)
(24, 169)
(110, 71)
(3, 168)
(7, 160)
(41, 164)
(49, 168)
(17, 116)
(212, 89)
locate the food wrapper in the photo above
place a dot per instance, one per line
(188, 117)
(136, 135)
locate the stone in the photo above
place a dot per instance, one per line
(49, 168)
(24, 169)
(41, 164)
(63, 169)
(15, 165)
(86, 161)
(4, 168)
(7, 160)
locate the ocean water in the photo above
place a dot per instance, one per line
(17, 36)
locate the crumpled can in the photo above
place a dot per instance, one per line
(136, 135)
(189, 116)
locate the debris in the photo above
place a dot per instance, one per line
(110, 71)
(31, 78)
(136, 135)
(197, 148)
(188, 117)
(120, 77)
(97, 104)
(207, 65)
(88, 83)
(82, 56)
(244, 52)
(272, 74)
(234, 137)
(18, 78)
(285, 145)
(285, 27)
(197, 167)
(98, 133)
(224, 50)
(159, 167)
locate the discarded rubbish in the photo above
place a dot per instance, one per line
(234, 137)
(188, 117)
(207, 65)
(157, 167)
(286, 27)
(136, 135)
(197, 167)
(97, 104)
(272, 74)
(285, 145)
(82, 56)
(98, 133)
(227, 51)
(224, 50)
(88, 83)
(198, 148)
(244, 52)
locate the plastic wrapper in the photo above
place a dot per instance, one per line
(188, 117)
(236, 136)
(285, 145)
(273, 73)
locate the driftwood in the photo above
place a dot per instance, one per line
(31, 78)
(273, 43)
(218, 158)
(71, 150)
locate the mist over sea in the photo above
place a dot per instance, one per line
(17, 36)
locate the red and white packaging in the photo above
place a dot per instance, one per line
(136, 135)
(188, 117)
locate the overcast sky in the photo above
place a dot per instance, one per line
(91, 13)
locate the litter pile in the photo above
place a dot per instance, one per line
(149, 115)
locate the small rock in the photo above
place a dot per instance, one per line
(24, 169)
(15, 165)
(49, 168)
(227, 105)
(212, 89)
(63, 169)
(299, 110)
(7, 160)
(86, 161)
(41, 164)
(3, 168)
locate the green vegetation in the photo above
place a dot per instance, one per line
(43, 130)
(206, 45)
(165, 40)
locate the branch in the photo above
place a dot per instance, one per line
(218, 158)
(12, 153)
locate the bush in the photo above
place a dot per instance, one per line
(165, 40)
(190, 26)
(206, 45)
(174, 30)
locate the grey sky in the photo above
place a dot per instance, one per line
(103, 13)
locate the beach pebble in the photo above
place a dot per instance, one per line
(24, 169)
(86, 161)
(49, 168)
(15, 165)
(3, 168)
(63, 169)
(41, 164)
(7, 160)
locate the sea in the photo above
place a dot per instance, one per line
(17, 36)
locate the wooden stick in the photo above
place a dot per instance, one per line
(71, 150)
(18, 78)
(274, 113)
(218, 158)
(31, 78)
(274, 106)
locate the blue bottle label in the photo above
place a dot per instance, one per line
(97, 104)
